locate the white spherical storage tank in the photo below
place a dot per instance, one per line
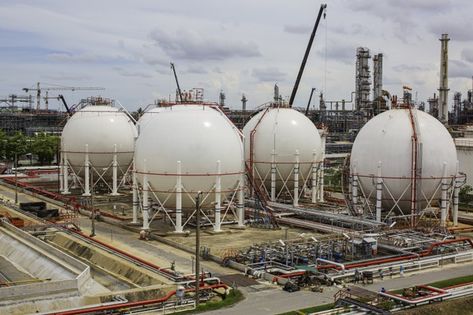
(194, 145)
(386, 144)
(275, 139)
(100, 135)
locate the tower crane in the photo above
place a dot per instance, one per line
(38, 90)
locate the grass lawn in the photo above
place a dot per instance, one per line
(233, 297)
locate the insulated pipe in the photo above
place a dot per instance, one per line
(145, 197)
(218, 198)
(86, 172)
(379, 193)
(314, 176)
(456, 191)
(114, 172)
(179, 198)
(66, 176)
(273, 176)
(331, 262)
(135, 195)
(443, 204)
(296, 181)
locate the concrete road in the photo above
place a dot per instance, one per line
(154, 251)
(276, 301)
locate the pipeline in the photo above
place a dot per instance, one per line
(115, 307)
(424, 253)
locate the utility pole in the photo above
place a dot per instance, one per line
(197, 247)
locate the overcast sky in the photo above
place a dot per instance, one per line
(239, 46)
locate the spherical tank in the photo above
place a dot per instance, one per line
(198, 136)
(147, 117)
(285, 131)
(388, 138)
(101, 128)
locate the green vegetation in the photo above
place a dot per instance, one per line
(450, 282)
(318, 308)
(43, 146)
(333, 179)
(465, 195)
(457, 307)
(233, 297)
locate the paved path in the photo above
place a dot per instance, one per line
(276, 301)
(154, 251)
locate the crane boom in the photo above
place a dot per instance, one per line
(38, 90)
(306, 55)
(177, 82)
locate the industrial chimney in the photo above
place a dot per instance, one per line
(443, 89)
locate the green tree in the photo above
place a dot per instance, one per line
(15, 144)
(44, 146)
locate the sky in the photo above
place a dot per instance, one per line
(238, 46)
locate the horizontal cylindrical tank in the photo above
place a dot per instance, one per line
(388, 139)
(100, 130)
(284, 133)
(193, 138)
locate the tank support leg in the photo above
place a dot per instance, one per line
(456, 192)
(178, 198)
(273, 176)
(145, 199)
(218, 198)
(443, 202)
(61, 174)
(135, 195)
(86, 172)
(114, 172)
(296, 181)
(314, 177)
(241, 202)
(66, 176)
(379, 193)
(322, 168)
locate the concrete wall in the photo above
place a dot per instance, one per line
(61, 272)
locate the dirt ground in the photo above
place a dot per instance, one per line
(233, 239)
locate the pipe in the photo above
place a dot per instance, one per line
(331, 262)
(424, 253)
(131, 304)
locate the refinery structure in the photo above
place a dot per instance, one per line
(189, 202)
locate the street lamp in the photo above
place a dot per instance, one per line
(197, 247)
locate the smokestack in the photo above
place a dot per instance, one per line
(222, 98)
(443, 89)
(243, 102)
(276, 93)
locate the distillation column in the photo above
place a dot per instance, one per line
(443, 89)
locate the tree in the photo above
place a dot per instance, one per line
(15, 144)
(44, 146)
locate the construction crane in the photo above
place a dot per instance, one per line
(38, 90)
(306, 55)
(177, 82)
